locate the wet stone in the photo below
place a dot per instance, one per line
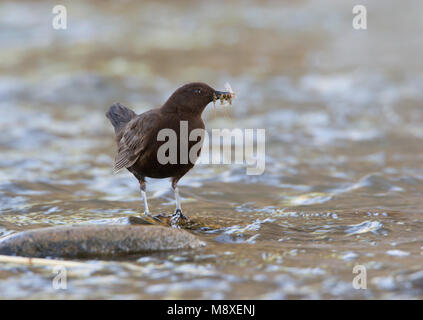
(191, 223)
(96, 241)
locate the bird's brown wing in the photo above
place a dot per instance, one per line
(136, 135)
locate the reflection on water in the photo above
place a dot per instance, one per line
(344, 162)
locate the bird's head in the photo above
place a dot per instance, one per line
(194, 97)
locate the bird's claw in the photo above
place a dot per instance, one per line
(175, 218)
(181, 215)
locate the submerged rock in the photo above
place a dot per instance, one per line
(165, 220)
(96, 241)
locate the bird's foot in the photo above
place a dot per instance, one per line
(159, 217)
(147, 214)
(178, 212)
(175, 218)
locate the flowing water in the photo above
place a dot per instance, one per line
(342, 111)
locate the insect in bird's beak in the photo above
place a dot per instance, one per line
(223, 96)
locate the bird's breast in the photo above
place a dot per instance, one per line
(174, 150)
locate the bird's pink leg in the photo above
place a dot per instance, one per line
(178, 212)
(144, 197)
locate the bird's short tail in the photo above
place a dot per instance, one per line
(119, 115)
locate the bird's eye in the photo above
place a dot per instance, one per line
(198, 90)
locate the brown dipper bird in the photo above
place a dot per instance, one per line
(137, 136)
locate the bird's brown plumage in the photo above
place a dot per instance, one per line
(136, 135)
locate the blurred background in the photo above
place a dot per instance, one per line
(344, 155)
